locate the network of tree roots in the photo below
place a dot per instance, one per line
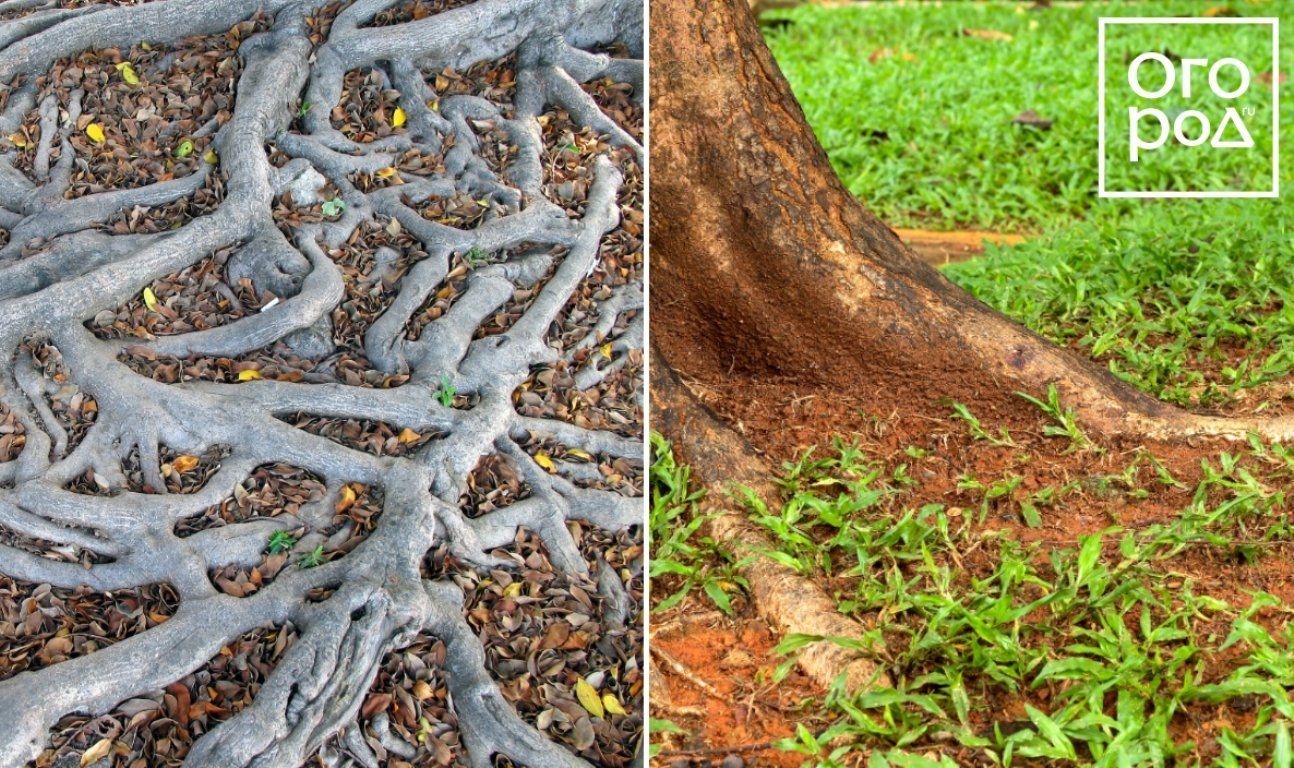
(320, 383)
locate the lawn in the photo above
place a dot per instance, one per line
(916, 105)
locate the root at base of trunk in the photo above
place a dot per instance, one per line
(791, 603)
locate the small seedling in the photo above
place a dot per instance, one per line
(476, 258)
(446, 392)
(1003, 438)
(280, 541)
(303, 109)
(1066, 419)
(313, 558)
(333, 207)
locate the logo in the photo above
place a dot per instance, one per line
(1189, 107)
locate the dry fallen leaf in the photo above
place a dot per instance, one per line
(612, 704)
(346, 498)
(1033, 120)
(128, 73)
(589, 698)
(988, 34)
(408, 436)
(185, 464)
(96, 752)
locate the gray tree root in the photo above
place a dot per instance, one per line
(60, 268)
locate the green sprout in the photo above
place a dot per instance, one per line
(280, 541)
(476, 257)
(446, 391)
(313, 558)
(334, 207)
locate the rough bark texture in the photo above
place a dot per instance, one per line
(764, 265)
(59, 271)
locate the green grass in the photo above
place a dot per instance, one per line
(917, 116)
(683, 558)
(1185, 299)
(1194, 309)
(1101, 646)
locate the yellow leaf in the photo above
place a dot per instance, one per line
(386, 172)
(589, 699)
(249, 375)
(612, 705)
(346, 498)
(210, 158)
(150, 299)
(95, 132)
(408, 436)
(422, 690)
(185, 463)
(988, 34)
(577, 453)
(128, 73)
(512, 590)
(97, 752)
(542, 460)
(18, 140)
(398, 118)
(605, 349)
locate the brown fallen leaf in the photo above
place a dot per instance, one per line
(1033, 120)
(97, 752)
(378, 702)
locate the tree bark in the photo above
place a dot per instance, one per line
(764, 266)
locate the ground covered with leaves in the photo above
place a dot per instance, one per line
(363, 200)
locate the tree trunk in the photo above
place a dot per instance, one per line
(765, 267)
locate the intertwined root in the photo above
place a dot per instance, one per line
(78, 479)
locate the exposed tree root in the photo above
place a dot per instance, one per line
(57, 271)
(720, 459)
